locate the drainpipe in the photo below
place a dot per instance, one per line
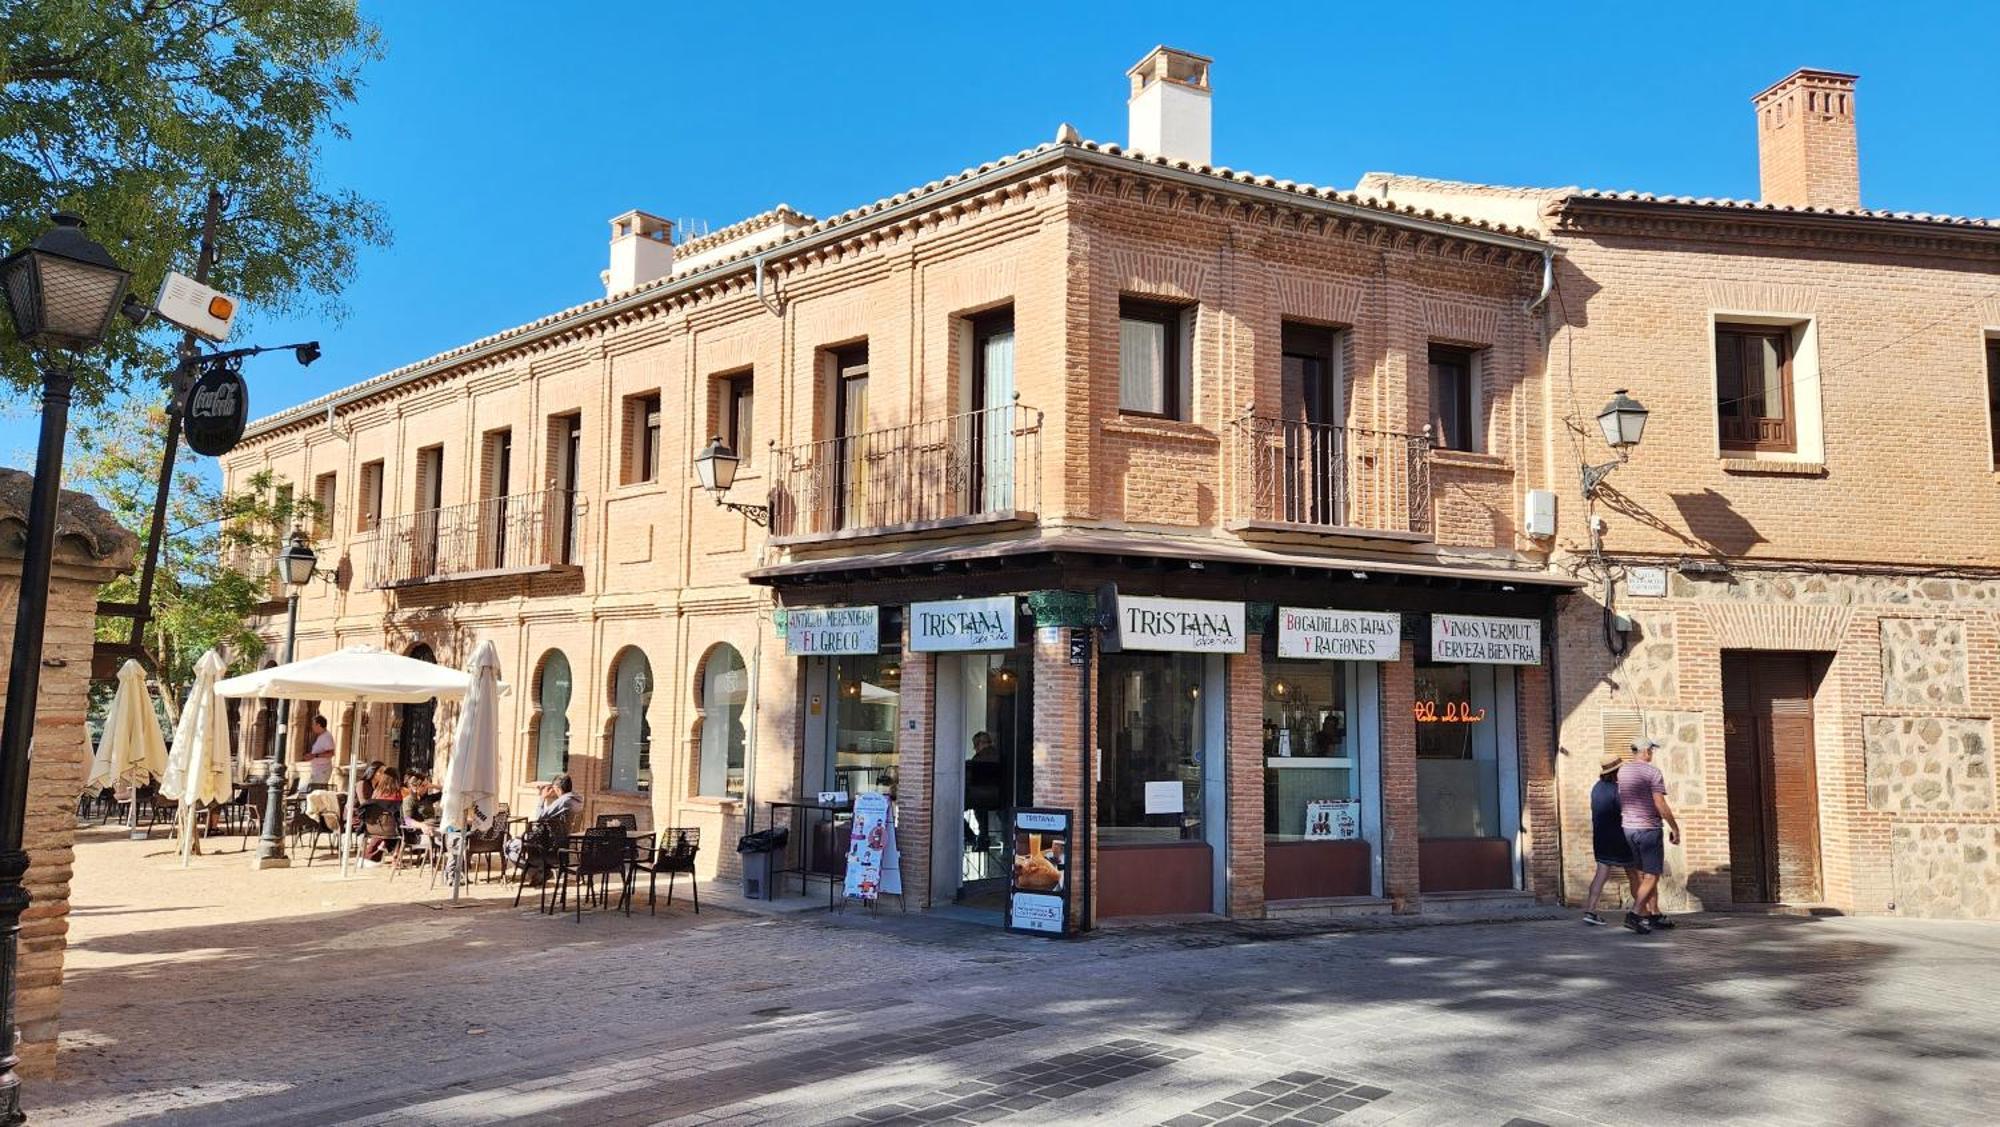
(1548, 279)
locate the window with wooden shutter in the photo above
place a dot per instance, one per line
(1753, 388)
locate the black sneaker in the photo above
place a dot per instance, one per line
(1593, 919)
(1660, 921)
(1634, 923)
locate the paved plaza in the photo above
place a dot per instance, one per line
(215, 996)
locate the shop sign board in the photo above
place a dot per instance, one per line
(1038, 881)
(873, 865)
(1485, 640)
(1347, 635)
(1180, 625)
(1333, 820)
(217, 407)
(963, 625)
(820, 631)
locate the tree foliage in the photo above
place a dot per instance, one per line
(215, 556)
(128, 111)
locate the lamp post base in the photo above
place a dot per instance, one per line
(261, 862)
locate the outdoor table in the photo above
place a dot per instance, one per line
(805, 868)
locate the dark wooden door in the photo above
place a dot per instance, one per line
(1767, 701)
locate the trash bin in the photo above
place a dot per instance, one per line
(756, 851)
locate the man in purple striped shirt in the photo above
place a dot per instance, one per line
(1642, 806)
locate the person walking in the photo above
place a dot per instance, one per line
(1642, 807)
(1607, 838)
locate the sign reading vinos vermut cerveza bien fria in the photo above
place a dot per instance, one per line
(1180, 625)
(962, 625)
(816, 631)
(1484, 640)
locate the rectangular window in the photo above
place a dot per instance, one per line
(736, 415)
(1153, 364)
(642, 438)
(1753, 388)
(368, 512)
(1993, 394)
(565, 462)
(1309, 747)
(1152, 727)
(1455, 421)
(323, 499)
(850, 425)
(496, 469)
(1458, 767)
(430, 478)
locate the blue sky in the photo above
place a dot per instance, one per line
(501, 136)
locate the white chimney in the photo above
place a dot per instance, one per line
(642, 250)
(1168, 110)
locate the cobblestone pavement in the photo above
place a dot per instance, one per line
(282, 998)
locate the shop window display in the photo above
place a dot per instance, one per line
(867, 698)
(1458, 765)
(1310, 749)
(1151, 731)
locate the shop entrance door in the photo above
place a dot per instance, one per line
(984, 767)
(1767, 712)
(1468, 778)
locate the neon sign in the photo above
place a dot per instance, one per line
(1450, 712)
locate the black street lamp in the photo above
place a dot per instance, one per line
(715, 468)
(1623, 422)
(62, 292)
(296, 567)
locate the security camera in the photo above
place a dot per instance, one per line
(135, 311)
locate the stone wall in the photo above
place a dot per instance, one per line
(90, 551)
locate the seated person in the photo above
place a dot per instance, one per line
(419, 813)
(558, 803)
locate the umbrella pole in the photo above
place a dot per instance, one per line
(353, 809)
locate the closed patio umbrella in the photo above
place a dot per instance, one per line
(198, 764)
(472, 778)
(132, 747)
(360, 674)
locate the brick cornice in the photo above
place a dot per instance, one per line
(1658, 219)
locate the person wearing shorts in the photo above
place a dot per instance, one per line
(1642, 808)
(1607, 838)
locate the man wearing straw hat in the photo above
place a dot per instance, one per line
(1607, 838)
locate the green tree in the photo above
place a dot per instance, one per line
(128, 111)
(215, 556)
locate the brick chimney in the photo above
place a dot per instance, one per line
(1167, 114)
(642, 250)
(1806, 155)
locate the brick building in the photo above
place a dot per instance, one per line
(1192, 501)
(1793, 582)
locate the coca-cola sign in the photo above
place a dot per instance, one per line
(217, 407)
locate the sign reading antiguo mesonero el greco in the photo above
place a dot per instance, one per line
(1180, 625)
(1350, 635)
(963, 625)
(1485, 640)
(816, 631)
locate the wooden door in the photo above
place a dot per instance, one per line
(1773, 786)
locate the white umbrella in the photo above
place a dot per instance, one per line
(198, 768)
(132, 746)
(361, 674)
(472, 778)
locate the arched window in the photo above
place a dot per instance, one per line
(552, 716)
(720, 693)
(631, 734)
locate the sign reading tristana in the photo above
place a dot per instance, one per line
(1483, 640)
(1353, 635)
(815, 631)
(1180, 625)
(963, 625)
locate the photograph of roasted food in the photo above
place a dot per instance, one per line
(1034, 871)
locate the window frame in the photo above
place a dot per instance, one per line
(1174, 372)
(642, 438)
(326, 495)
(1743, 333)
(368, 509)
(642, 730)
(1466, 400)
(715, 716)
(734, 390)
(1992, 343)
(543, 716)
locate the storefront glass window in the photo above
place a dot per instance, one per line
(552, 724)
(867, 697)
(1458, 763)
(725, 688)
(1310, 742)
(631, 732)
(1150, 729)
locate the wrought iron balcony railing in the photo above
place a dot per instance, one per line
(500, 535)
(1315, 477)
(979, 464)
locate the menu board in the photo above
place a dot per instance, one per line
(1038, 883)
(873, 866)
(1333, 820)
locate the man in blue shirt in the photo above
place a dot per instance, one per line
(1607, 838)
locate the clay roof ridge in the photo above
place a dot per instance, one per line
(741, 227)
(1726, 203)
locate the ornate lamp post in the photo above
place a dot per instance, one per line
(62, 292)
(1623, 422)
(296, 567)
(715, 467)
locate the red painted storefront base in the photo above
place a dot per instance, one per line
(1300, 870)
(1464, 864)
(1155, 880)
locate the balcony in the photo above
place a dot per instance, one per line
(1299, 477)
(524, 534)
(980, 468)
